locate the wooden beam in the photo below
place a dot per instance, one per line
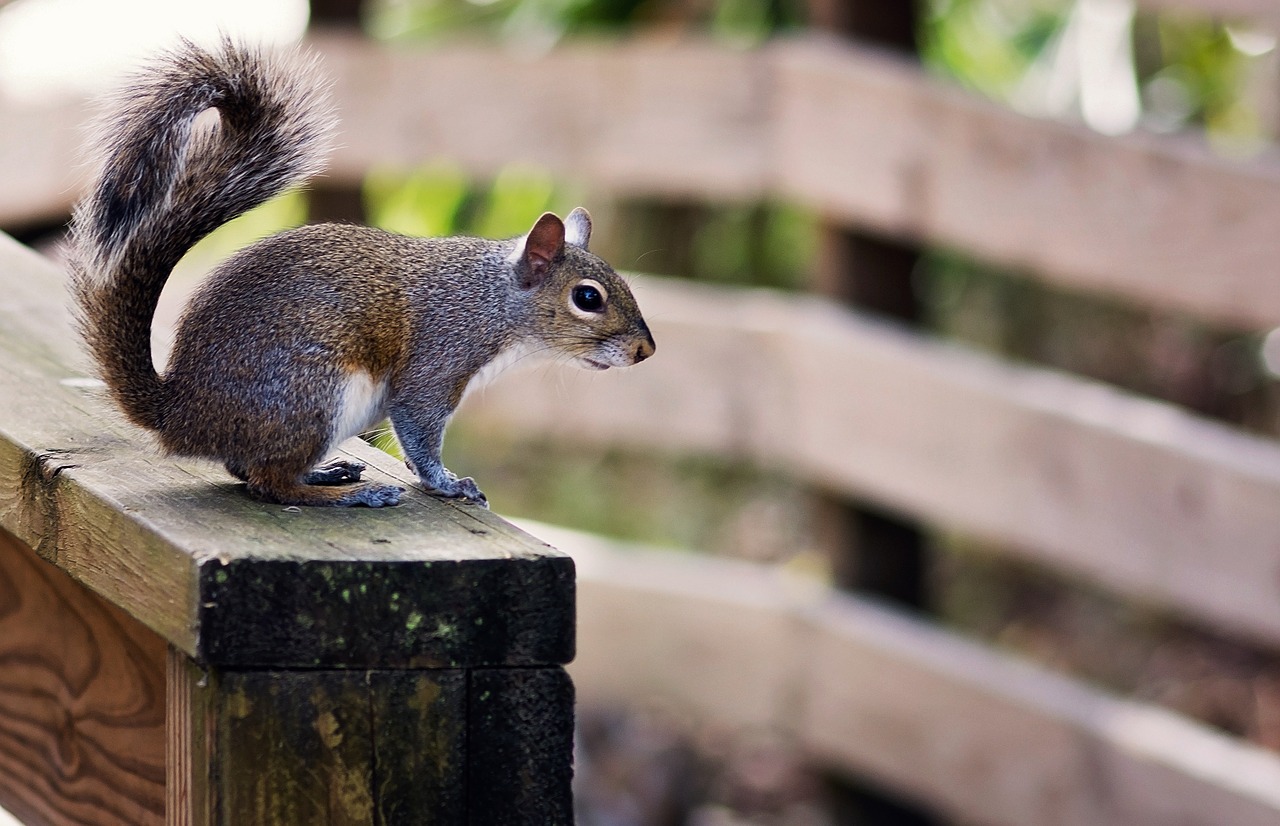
(674, 119)
(981, 736)
(873, 552)
(1137, 495)
(462, 747)
(1153, 220)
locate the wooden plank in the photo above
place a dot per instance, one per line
(981, 736)
(190, 785)
(446, 613)
(293, 747)
(1154, 220)
(1137, 495)
(744, 686)
(862, 136)
(976, 732)
(82, 702)
(613, 114)
(870, 551)
(377, 748)
(481, 747)
(183, 550)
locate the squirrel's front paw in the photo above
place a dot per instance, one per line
(464, 488)
(472, 492)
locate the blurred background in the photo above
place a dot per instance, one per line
(951, 494)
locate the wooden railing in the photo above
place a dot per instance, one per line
(974, 733)
(171, 652)
(1142, 497)
(865, 137)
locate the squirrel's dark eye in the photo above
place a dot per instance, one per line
(588, 298)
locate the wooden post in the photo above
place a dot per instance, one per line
(874, 551)
(364, 692)
(326, 199)
(102, 722)
(174, 652)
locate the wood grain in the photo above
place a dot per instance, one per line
(984, 738)
(82, 702)
(1156, 221)
(1137, 495)
(190, 784)
(475, 747)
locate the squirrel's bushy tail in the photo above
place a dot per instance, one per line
(165, 180)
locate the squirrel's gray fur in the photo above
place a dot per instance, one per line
(302, 337)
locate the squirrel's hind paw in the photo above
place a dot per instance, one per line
(335, 472)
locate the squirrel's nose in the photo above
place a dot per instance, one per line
(644, 349)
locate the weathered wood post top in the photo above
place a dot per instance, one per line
(338, 665)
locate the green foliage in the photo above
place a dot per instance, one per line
(518, 196)
(988, 45)
(283, 212)
(1201, 73)
(762, 244)
(546, 21)
(426, 202)
(439, 199)
(1192, 71)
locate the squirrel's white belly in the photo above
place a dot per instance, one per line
(523, 352)
(362, 404)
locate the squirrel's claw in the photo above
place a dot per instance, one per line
(452, 487)
(472, 493)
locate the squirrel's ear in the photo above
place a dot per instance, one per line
(538, 249)
(577, 228)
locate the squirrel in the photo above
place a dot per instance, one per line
(316, 334)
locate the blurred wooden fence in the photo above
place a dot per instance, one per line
(1142, 497)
